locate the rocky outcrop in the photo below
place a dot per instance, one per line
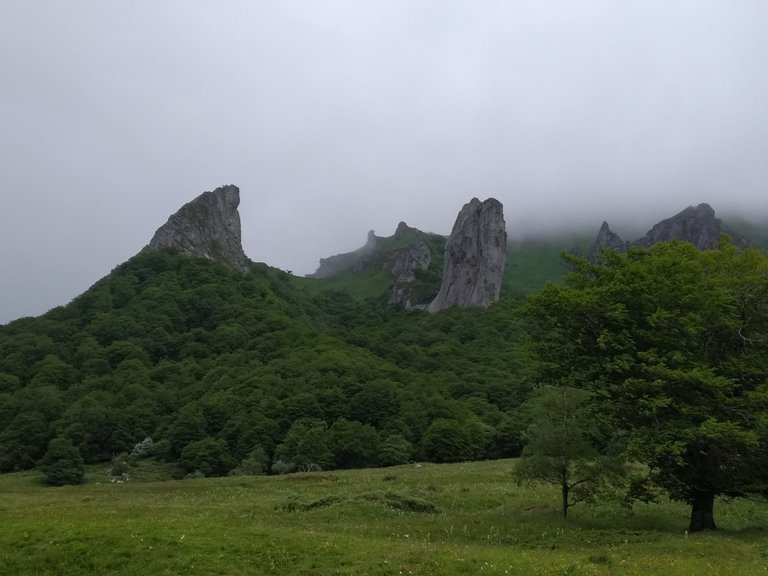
(349, 261)
(405, 264)
(403, 255)
(606, 239)
(475, 257)
(207, 227)
(695, 224)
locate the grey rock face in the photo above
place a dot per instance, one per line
(606, 238)
(404, 266)
(695, 224)
(349, 261)
(475, 257)
(207, 227)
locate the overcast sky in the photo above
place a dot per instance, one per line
(335, 117)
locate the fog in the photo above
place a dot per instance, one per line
(338, 117)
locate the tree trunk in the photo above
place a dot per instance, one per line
(702, 515)
(565, 488)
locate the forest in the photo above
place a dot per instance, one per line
(220, 368)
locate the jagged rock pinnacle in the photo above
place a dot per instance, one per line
(606, 238)
(207, 227)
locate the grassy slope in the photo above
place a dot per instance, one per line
(341, 523)
(754, 230)
(360, 285)
(531, 265)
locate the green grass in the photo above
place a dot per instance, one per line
(434, 519)
(360, 285)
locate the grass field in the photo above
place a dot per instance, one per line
(432, 519)
(359, 285)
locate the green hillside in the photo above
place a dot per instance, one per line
(756, 231)
(222, 369)
(532, 263)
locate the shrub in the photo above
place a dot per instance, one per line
(62, 463)
(143, 449)
(255, 464)
(119, 467)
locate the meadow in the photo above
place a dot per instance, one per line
(469, 518)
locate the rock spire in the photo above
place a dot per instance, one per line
(207, 227)
(606, 238)
(475, 257)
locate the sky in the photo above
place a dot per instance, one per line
(336, 117)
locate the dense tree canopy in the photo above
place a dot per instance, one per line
(216, 366)
(673, 343)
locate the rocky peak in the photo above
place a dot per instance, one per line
(606, 238)
(403, 229)
(695, 224)
(475, 257)
(207, 227)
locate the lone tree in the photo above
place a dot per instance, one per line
(673, 345)
(567, 447)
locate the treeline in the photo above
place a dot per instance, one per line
(224, 372)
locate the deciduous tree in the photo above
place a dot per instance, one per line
(568, 448)
(673, 343)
